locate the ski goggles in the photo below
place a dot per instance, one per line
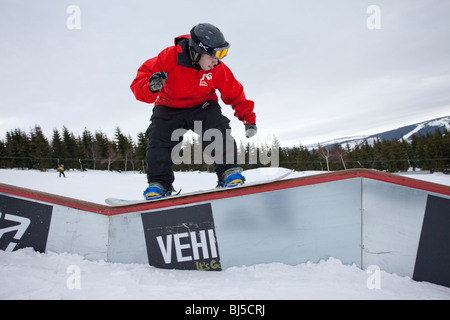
(220, 53)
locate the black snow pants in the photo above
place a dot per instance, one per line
(163, 137)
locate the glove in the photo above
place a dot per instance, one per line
(156, 81)
(250, 130)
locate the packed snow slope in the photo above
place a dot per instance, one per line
(26, 274)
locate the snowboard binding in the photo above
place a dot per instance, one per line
(232, 178)
(156, 191)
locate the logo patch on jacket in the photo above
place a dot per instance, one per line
(206, 77)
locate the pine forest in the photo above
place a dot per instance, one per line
(96, 151)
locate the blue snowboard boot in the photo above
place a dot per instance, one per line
(232, 178)
(156, 191)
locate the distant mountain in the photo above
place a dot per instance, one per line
(405, 132)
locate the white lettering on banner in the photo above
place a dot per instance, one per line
(188, 251)
(165, 251)
(202, 244)
(20, 229)
(180, 247)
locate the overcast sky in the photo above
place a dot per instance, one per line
(314, 68)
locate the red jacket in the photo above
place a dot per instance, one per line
(187, 85)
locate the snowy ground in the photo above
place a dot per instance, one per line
(25, 274)
(96, 186)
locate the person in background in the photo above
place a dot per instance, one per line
(61, 170)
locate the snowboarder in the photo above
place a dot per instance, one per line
(182, 82)
(61, 170)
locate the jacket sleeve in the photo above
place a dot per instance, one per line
(165, 61)
(232, 93)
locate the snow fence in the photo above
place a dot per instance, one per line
(361, 217)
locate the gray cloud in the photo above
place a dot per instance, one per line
(313, 68)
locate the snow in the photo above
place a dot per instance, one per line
(25, 274)
(95, 186)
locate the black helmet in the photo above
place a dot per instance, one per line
(207, 39)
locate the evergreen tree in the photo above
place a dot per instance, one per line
(141, 152)
(3, 155)
(70, 149)
(339, 156)
(105, 150)
(422, 152)
(445, 148)
(124, 147)
(40, 150)
(58, 150)
(18, 149)
(89, 148)
(80, 155)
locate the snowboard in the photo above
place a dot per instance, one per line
(252, 176)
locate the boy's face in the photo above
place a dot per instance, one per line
(208, 62)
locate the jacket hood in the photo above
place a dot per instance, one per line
(178, 39)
